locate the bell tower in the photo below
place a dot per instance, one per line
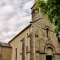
(44, 44)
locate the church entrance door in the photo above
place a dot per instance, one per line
(48, 57)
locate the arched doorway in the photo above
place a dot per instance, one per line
(49, 53)
(49, 50)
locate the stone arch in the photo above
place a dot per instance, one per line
(49, 49)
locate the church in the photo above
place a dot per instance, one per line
(36, 42)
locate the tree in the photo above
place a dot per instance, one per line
(52, 9)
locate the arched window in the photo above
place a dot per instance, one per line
(47, 32)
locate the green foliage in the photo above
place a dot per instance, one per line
(52, 9)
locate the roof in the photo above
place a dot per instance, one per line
(20, 32)
(4, 44)
(33, 5)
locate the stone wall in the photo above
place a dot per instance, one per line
(22, 44)
(43, 39)
(6, 53)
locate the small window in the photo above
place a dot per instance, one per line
(16, 53)
(47, 31)
(26, 49)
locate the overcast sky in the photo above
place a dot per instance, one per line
(15, 15)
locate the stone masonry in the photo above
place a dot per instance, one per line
(44, 44)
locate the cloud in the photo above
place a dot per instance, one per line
(6, 9)
(15, 15)
(27, 7)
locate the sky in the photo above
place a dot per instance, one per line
(15, 15)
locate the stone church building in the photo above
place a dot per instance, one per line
(36, 42)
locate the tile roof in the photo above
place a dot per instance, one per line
(4, 44)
